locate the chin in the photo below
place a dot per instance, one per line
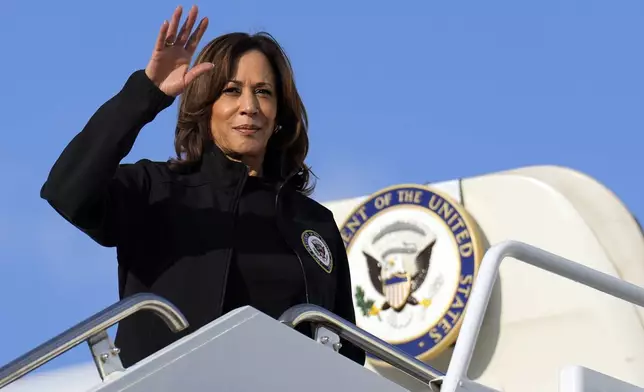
(250, 148)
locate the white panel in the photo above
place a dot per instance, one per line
(580, 379)
(613, 224)
(537, 322)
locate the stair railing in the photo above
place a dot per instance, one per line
(455, 379)
(93, 330)
(361, 338)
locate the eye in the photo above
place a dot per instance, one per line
(263, 91)
(231, 90)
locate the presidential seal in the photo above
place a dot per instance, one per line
(413, 254)
(318, 249)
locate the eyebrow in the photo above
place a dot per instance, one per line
(260, 84)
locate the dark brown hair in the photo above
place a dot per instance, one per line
(286, 149)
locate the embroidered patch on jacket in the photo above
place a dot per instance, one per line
(318, 249)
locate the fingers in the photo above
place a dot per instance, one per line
(187, 26)
(195, 37)
(168, 32)
(196, 71)
(163, 32)
(174, 25)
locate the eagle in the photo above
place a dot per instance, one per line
(380, 271)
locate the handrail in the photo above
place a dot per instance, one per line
(93, 325)
(361, 338)
(488, 271)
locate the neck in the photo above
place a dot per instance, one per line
(254, 170)
(254, 164)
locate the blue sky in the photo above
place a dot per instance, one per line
(396, 92)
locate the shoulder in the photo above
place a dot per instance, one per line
(143, 165)
(313, 207)
(157, 172)
(322, 218)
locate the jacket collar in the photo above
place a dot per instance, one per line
(220, 169)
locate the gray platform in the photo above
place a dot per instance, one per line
(246, 350)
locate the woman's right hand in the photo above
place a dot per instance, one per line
(168, 66)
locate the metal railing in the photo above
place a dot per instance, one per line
(93, 326)
(456, 377)
(361, 338)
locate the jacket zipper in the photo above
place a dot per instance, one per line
(279, 219)
(240, 186)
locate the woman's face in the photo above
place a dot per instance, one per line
(243, 118)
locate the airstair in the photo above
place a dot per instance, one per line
(245, 350)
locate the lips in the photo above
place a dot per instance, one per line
(247, 129)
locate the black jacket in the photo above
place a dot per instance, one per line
(172, 230)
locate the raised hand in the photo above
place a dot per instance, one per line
(168, 66)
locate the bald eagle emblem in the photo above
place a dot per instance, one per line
(395, 280)
(398, 259)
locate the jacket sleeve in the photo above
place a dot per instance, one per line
(87, 184)
(344, 301)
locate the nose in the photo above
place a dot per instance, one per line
(248, 104)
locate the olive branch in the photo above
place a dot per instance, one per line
(365, 305)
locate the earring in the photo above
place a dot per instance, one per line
(277, 128)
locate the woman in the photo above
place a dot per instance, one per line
(228, 222)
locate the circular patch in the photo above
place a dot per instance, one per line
(318, 249)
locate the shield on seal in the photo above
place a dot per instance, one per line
(397, 289)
